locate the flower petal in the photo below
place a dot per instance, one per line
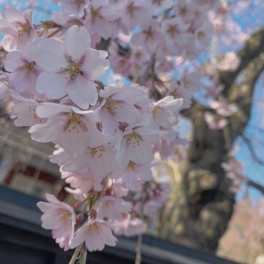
(49, 54)
(52, 84)
(77, 41)
(83, 92)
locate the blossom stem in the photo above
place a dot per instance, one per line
(83, 256)
(76, 254)
(138, 250)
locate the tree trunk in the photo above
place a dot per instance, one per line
(204, 204)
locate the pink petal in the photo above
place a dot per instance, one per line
(95, 64)
(77, 41)
(49, 54)
(46, 110)
(82, 92)
(52, 84)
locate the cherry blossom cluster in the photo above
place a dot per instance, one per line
(234, 170)
(223, 110)
(105, 134)
(165, 39)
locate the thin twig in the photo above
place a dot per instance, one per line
(252, 150)
(145, 76)
(54, 33)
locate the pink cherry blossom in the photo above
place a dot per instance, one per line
(96, 233)
(68, 20)
(58, 217)
(135, 142)
(165, 111)
(137, 61)
(24, 113)
(99, 160)
(215, 122)
(17, 28)
(83, 180)
(174, 31)
(23, 71)
(69, 69)
(112, 207)
(178, 91)
(134, 175)
(223, 108)
(136, 12)
(67, 126)
(191, 81)
(150, 37)
(118, 106)
(128, 226)
(73, 6)
(234, 170)
(203, 34)
(102, 18)
(229, 63)
(118, 188)
(184, 10)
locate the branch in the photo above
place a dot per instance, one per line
(242, 95)
(252, 150)
(253, 47)
(255, 185)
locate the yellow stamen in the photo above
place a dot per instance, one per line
(74, 121)
(112, 106)
(65, 215)
(172, 30)
(133, 139)
(96, 152)
(94, 228)
(23, 28)
(73, 69)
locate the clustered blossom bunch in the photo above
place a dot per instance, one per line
(234, 171)
(223, 110)
(105, 134)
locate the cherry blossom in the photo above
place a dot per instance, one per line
(83, 180)
(230, 62)
(174, 31)
(150, 37)
(96, 233)
(215, 122)
(17, 28)
(58, 217)
(135, 142)
(99, 161)
(165, 111)
(67, 126)
(118, 105)
(134, 175)
(223, 108)
(23, 71)
(137, 12)
(72, 71)
(128, 226)
(111, 207)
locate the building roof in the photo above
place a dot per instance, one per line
(20, 232)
